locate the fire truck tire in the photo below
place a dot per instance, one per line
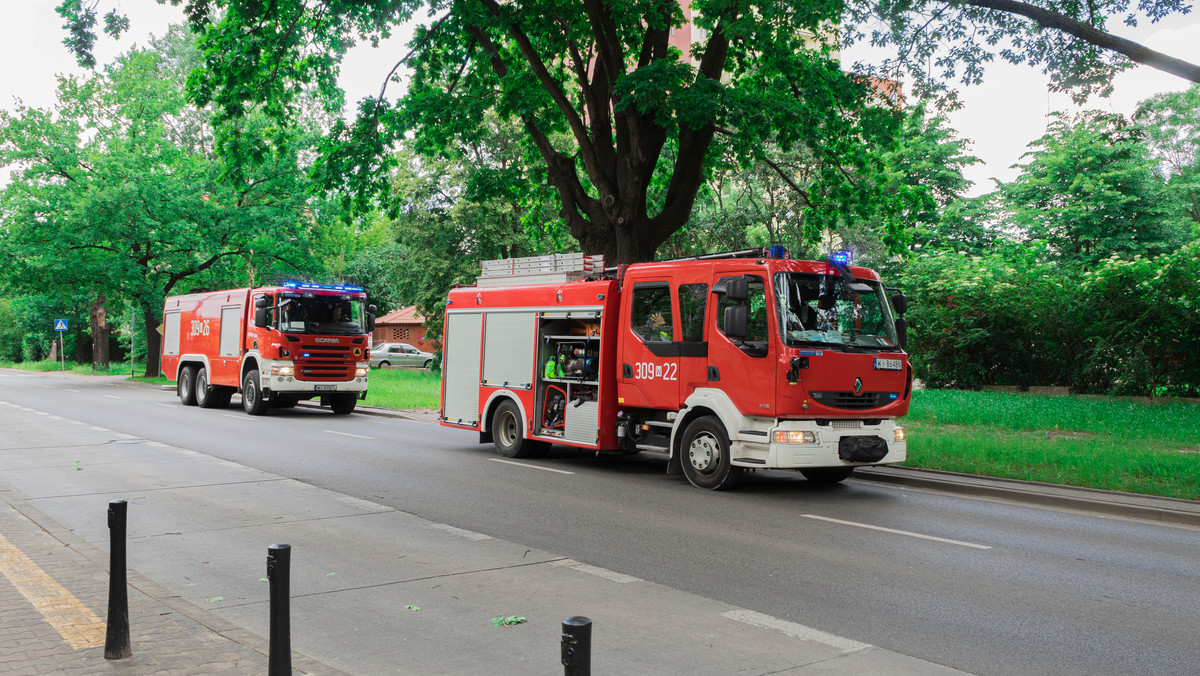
(206, 395)
(341, 404)
(704, 454)
(186, 387)
(509, 435)
(252, 401)
(827, 475)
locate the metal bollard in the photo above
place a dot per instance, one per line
(116, 639)
(279, 661)
(577, 646)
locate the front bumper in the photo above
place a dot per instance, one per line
(748, 451)
(290, 385)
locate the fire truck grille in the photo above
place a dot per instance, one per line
(850, 400)
(325, 362)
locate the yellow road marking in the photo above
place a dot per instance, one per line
(78, 625)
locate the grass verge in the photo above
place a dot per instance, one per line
(404, 389)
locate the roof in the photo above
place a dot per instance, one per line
(405, 315)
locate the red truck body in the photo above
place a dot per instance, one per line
(305, 341)
(720, 364)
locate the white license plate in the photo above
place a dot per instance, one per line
(325, 388)
(888, 364)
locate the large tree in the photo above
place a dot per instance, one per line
(638, 113)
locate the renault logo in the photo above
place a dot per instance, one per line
(858, 385)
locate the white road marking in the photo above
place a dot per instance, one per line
(897, 532)
(347, 434)
(99, 429)
(159, 403)
(70, 390)
(846, 645)
(235, 417)
(522, 464)
(112, 396)
(459, 532)
(605, 573)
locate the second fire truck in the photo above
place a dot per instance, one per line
(723, 363)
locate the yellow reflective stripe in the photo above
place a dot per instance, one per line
(78, 625)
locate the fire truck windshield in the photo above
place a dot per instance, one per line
(319, 314)
(827, 310)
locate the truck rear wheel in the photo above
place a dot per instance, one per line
(206, 395)
(704, 454)
(252, 399)
(827, 475)
(508, 433)
(186, 387)
(343, 403)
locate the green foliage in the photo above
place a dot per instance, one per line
(1172, 125)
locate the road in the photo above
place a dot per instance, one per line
(981, 586)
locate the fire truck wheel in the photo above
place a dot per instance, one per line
(343, 403)
(252, 400)
(827, 475)
(704, 454)
(187, 386)
(509, 435)
(205, 396)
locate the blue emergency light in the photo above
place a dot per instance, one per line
(322, 287)
(844, 257)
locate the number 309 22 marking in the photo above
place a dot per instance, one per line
(645, 370)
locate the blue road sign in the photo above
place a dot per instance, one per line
(60, 325)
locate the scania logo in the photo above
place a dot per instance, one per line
(325, 340)
(858, 385)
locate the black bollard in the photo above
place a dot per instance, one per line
(116, 639)
(577, 646)
(279, 662)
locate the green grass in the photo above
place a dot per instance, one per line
(404, 388)
(114, 369)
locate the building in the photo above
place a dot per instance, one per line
(403, 326)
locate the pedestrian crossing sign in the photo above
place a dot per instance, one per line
(60, 325)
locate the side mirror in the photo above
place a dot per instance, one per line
(262, 302)
(262, 316)
(900, 302)
(735, 321)
(371, 319)
(902, 332)
(738, 290)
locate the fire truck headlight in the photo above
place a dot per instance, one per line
(360, 372)
(282, 370)
(795, 437)
(898, 434)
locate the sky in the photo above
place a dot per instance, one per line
(1000, 117)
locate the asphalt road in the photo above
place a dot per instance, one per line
(978, 585)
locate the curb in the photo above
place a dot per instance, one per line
(1111, 503)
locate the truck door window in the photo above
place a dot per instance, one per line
(651, 316)
(755, 343)
(692, 299)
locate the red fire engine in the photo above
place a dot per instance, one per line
(275, 345)
(720, 363)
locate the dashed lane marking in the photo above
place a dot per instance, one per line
(347, 434)
(596, 570)
(78, 625)
(522, 464)
(896, 532)
(846, 645)
(112, 396)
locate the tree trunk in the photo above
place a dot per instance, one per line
(98, 316)
(153, 318)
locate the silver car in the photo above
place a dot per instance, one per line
(399, 354)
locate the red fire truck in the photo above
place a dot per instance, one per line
(721, 363)
(275, 345)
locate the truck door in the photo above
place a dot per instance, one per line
(649, 376)
(744, 368)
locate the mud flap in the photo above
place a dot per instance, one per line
(862, 449)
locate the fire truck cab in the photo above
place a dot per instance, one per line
(724, 363)
(275, 345)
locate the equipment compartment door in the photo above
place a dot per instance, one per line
(460, 379)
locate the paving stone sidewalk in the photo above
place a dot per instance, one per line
(54, 600)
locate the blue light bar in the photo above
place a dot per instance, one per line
(322, 287)
(844, 257)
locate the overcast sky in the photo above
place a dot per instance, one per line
(1001, 117)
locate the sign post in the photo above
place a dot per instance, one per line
(60, 325)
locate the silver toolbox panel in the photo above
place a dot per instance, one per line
(461, 398)
(580, 424)
(509, 345)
